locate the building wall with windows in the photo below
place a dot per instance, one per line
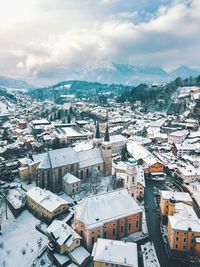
(182, 240)
(115, 229)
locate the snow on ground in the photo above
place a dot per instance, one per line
(20, 242)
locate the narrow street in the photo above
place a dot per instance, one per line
(153, 224)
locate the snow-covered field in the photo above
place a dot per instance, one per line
(20, 242)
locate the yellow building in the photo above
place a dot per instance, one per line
(62, 237)
(182, 234)
(169, 198)
(109, 253)
(44, 204)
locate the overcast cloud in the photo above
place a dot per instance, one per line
(43, 37)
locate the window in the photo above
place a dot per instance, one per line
(93, 240)
(177, 232)
(184, 247)
(133, 179)
(122, 229)
(87, 172)
(176, 246)
(129, 226)
(136, 224)
(114, 231)
(177, 239)
(104, 234)
(81, 233)
(184, 240)
(72, 168)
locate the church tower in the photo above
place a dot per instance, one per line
(97, 139)
(106, 149)
(131, 177)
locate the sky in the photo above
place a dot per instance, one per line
(42, 39)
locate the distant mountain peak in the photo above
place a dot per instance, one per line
(14, 83)
(184, 72)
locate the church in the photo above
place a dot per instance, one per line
(53, 165)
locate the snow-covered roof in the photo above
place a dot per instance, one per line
(70, 178)
(181, 133)
(45, 198)
(95, 210)
(58, 157)
(181, 223)
(61, 259)
(66, 156)
(117, 138)
(178, 196)
(115, 252)
(62, 232)
(90, 157)
(41, 121)
(79, 255)
(137, 151)
(185, 210)
(149, 255)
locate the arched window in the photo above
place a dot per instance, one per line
(60, 176)
(72, 168)
(48, 180)
(81, 174)
(87, 172)
(43, 180)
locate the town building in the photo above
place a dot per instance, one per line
(134, 180)
(62, 237)
(183, 233)
(177, 137)
(183, 225)
(151, 164)
(44, 204)
(169, 198)
(110, 253)
(53, 165)
(187, 172)
(111, 215)
(71, 184)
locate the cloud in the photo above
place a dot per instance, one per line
(51, 37)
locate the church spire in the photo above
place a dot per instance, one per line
(107, 136)
(97, 134)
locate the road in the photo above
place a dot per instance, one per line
(153, 224)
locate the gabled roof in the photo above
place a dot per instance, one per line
(182, 223)
(45, 198)
(115, 252)
(96, 210)
(58, 158)
(178, 196)
(89, 157)
(62, 232)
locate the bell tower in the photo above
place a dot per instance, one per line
(106, 149)
(131, 177)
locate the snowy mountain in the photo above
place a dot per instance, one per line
(184, 72)
(16, 84)
(108, 72)
(122, 74)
